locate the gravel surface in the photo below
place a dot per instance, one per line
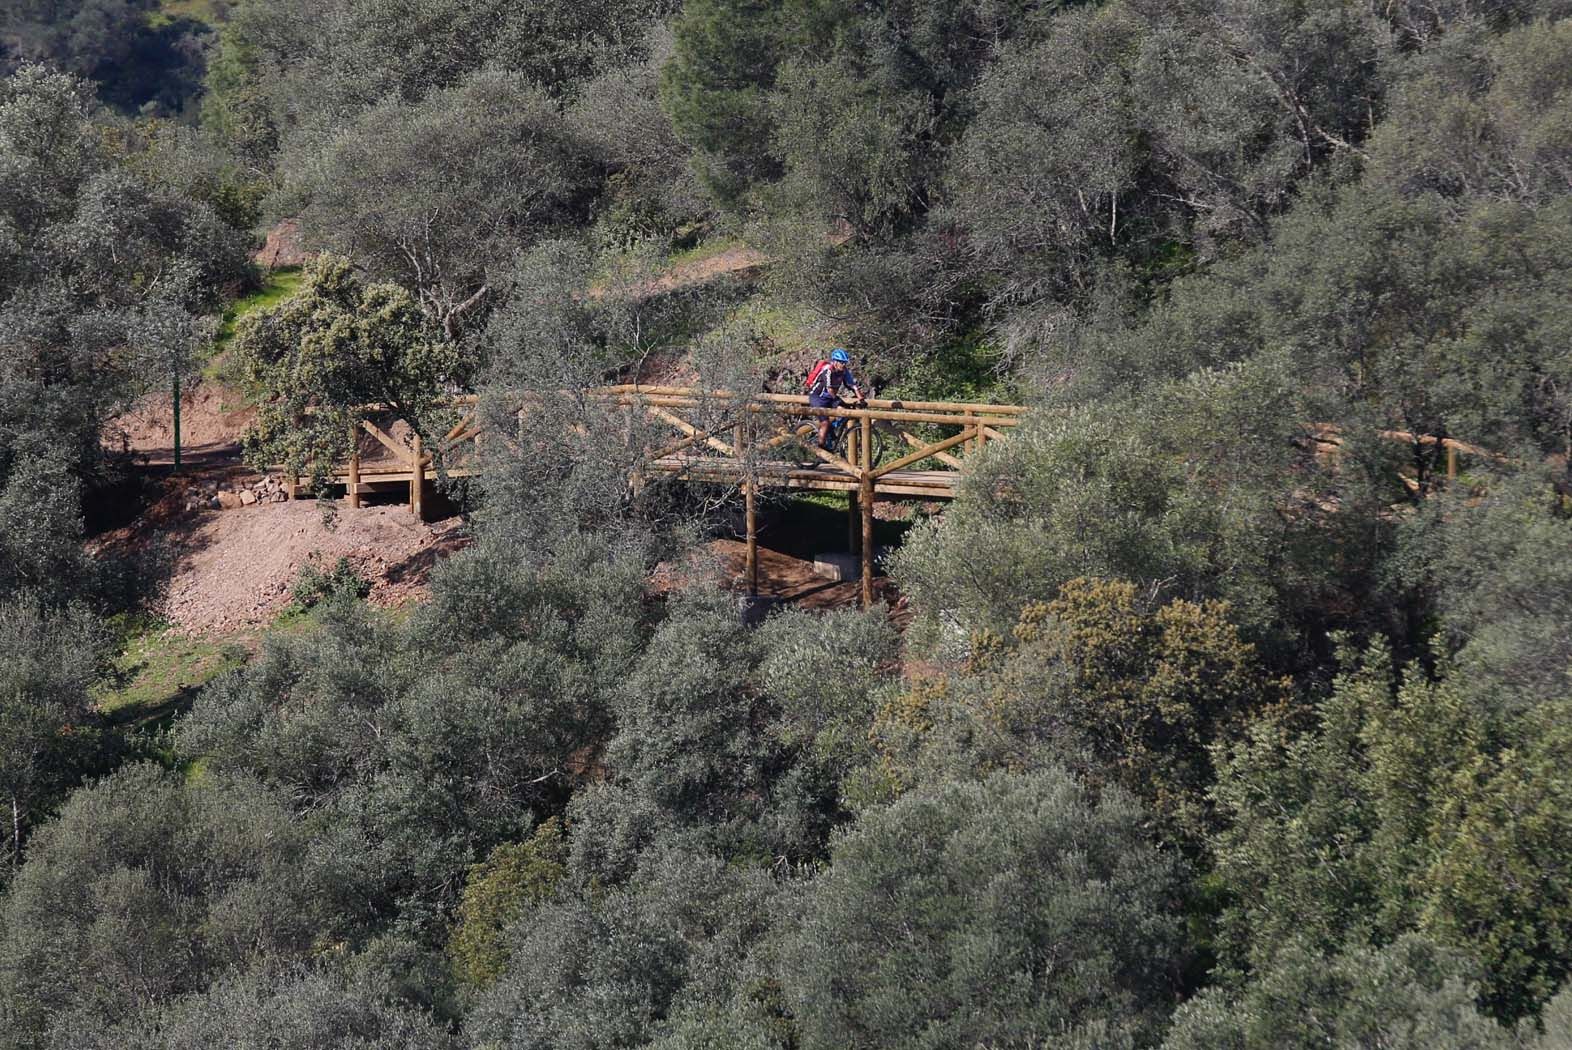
(233, 570)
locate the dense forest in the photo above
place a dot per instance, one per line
(1224, 718)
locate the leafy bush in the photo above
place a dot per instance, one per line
(1002, 913)
(343, 582)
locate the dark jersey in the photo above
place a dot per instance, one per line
(829, 383)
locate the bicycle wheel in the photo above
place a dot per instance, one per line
(885, 446)
(881, 445)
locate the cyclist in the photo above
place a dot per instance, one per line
(827, 386)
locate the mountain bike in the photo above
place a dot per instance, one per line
(882, 442)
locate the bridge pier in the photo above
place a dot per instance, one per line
(352, 489)
(866, 497)
(750, 498)
(417, 479)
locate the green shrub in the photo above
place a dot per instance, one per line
(342, 582)
(516, 876)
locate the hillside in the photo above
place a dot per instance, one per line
(1203, 679)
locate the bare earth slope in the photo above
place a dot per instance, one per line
(234, 569)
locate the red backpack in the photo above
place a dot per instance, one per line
(813, 374)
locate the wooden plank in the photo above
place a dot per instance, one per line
(881, 415)
(781, 439)
(696, 437)
(472, 434)
(924, 453)
(807, 482)
(692, 431)
(983, 408)
(377, 432)
(884, 415)
(946, 459)
(831, 458)
(865, 499)
(991, 434)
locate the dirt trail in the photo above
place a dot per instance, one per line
(738, 260)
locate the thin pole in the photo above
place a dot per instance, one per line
(177, 421)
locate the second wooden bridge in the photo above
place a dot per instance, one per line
(883, 449)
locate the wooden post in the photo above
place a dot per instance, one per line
(866, 442)
(867, 540)
(853, 523)
(177, 420)
(1451, 462)
(750, 497)
(352, 493)
(971, 423)
(417, 479)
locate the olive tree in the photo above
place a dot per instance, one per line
(1009, 911)
(440, 194)
(145, 888)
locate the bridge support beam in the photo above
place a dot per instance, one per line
(865, 497)
(751, 499)
(417, 480)
(352, 492)
(866, 500)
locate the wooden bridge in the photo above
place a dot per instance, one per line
(884, 450)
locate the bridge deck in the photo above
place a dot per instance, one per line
(923, 484)
(932, 484)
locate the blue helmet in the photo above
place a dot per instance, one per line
(841, 356)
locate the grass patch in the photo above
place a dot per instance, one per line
(703, 250)
(782, 329)
(158, 672)
(201, 10)
(277, 285)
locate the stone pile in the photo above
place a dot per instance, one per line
(248, 492)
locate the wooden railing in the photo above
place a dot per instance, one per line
(757, 441)
(1328, 438)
